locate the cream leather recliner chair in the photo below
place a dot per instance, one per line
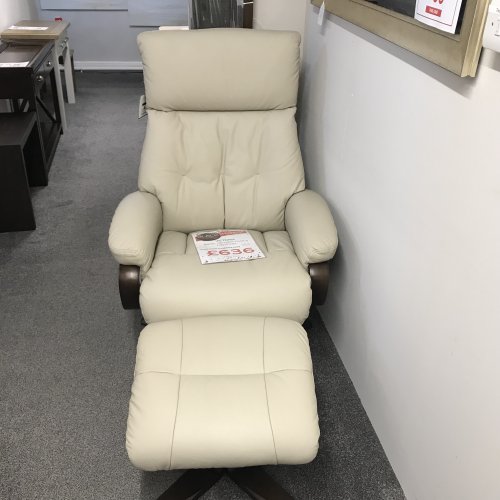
(223, 381)
(221, 151)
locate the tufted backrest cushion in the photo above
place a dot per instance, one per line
(221, 148)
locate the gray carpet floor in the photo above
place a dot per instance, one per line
(67, 348)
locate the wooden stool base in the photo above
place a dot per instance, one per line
(254, 481)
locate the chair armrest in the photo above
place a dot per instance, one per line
(311, 228)
(134, 231)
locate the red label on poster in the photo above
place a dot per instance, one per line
(433, 11)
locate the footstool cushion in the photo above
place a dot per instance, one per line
(222, 391)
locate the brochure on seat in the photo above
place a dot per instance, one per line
(226, 245)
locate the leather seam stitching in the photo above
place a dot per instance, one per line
(265, 387)
(178, 396)
(166, 372)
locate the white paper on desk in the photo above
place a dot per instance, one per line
(29, 28)
(226, 245)
(14, 65)
(440, 14)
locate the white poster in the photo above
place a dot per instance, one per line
(14, 64)
(226, 245)
(28, 28)
(440, 14)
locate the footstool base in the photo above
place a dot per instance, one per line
(252, 480)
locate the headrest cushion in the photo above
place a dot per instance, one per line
(220, 69)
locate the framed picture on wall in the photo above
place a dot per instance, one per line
(456, 50)
(84, 4)
(158, 12)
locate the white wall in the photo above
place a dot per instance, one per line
(280, 14)
(104, 39)
(12, 11)
(408, 156)
(101, 39)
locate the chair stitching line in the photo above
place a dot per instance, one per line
(222, 174)
(265, 387)
(166, 372)
(178, 396)
(257, 178)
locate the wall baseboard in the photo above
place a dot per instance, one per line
(109, 65)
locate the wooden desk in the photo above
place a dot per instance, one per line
(27, 78)
(58, 32)
(20, 155)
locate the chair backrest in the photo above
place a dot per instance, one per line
(221, 147)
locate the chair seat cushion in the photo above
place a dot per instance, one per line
(222, 392)
(178, 286)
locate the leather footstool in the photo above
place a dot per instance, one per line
(220, 392)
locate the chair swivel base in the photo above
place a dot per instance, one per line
(254, 481)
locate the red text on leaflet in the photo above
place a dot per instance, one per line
(232, 251)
